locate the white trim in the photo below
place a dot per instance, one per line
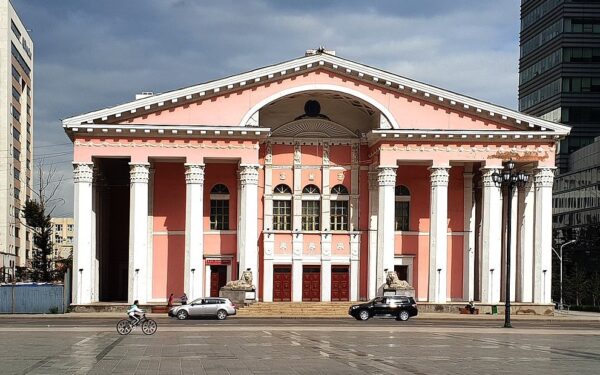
(320, 87)
(336, 64)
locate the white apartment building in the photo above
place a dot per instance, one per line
(62, 237)
(16, 139)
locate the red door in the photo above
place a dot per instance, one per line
(282, 283)
(218, 279)
(311, 283)
(340, 283)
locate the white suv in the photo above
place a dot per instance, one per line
(217, 307)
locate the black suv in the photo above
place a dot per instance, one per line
(399, 307)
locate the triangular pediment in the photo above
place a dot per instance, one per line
(503, 119)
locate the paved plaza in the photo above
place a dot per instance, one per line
(344, 346)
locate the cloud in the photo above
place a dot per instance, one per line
(94, 54)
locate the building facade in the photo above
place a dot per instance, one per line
(559, 68)
(16, 136)
(63, 231)
(318, 174)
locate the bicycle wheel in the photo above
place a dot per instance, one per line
(149, 327)
(124, 327)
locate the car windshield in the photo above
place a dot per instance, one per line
(377, 300)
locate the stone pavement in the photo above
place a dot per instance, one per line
(303, 349)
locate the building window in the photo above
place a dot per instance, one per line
(17, 173)
(581, 84)
(311, 208)
(219, 207)
(17, 232)
(58, 227)
(402, 209)
(15, 29)
(70, 227)
(17, 193)
(339, 208)
(282, 207)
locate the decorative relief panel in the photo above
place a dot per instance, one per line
(386, 176)
(326, 153)
(268, 153)
(249, 175)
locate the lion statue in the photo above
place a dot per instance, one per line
(394, 282)
(245, 282)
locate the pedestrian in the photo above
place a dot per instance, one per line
(184, 299)
(170, 301)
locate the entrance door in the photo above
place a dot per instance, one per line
(282, 283)
(340, 283)
(311, 283)
(402, 272)
(218, 279)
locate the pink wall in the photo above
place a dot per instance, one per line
(340, 155)
(169, 216)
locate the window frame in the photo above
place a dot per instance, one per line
(311, 201)
(402, 198)
(219, 200)
(339, 201)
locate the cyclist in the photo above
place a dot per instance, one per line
(133, 312)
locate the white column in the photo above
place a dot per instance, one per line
(297, 276)
(138, 231)
(491, 254)
(207, 280)
(544, 178)
(194, 230)
(385, 223)
(469, 237)
(248, 223)
(525, 248)
(438, 234)
(268, 281)
(326, 280)
(373, 208)
(354, 266)
(83, 252)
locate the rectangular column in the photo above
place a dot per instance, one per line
(354, 266)
(513, 244)
(544, 178)
(491, 254)
(385, 224)
(373, 211)
(138, 232)
(526, 242)
(296, 279)
(207, 284)
(83, 251)
(194, 231)
(326, 280)
(268, 280)
(438, 234)
(469, 237)
(248, 229)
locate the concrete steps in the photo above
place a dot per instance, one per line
(295, 309)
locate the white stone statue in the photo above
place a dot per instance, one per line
(245, 282)
(393, 282)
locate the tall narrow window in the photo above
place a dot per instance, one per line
(219, 207)
(311, 207)
(402, 208)
(339, 208)
(282, 207)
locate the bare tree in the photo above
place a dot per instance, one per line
(37, 213)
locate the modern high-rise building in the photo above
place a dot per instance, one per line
(16, 138)
(559, 67)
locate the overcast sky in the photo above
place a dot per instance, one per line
(94, 54)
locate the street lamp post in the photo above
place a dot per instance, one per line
(509, 178)
(560, 257)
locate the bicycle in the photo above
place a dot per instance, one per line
(125, 326)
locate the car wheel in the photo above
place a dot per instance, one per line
(182, 315)
(403, 316)
(363, 315)
(221, 314)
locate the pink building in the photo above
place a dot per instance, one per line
(319, 174)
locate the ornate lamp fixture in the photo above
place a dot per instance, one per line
(509, 178)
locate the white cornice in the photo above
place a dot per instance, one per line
(415, 135)
(334, 63)
(168, 130)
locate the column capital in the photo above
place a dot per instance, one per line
(439, 175)
(486, 174)
(386, 176)
(194, 173)
(544, 176)
(83, 172)
(249, 174)
(139, 172)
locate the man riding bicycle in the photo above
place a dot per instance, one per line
(133, 312)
